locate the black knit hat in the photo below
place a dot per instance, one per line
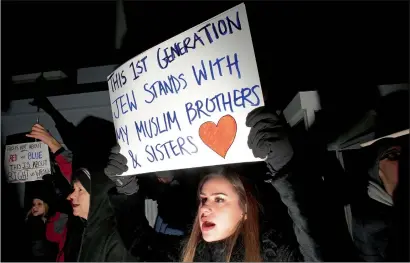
(42, 190)
(392, 114)
(83, 176)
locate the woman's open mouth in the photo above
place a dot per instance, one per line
(207, 225)
(75, 205)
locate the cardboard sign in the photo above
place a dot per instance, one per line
(183, 103)
(25, 162)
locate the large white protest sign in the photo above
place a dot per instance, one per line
(183, 103)
(25, 162)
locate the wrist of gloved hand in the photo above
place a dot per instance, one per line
(268, 138)
(116, 166)
(127, 185)
(280, 156)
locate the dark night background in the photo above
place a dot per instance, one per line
(330, 46)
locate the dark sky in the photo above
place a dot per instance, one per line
(298, 45)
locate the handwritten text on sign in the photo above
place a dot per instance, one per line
(26, 162)
(184, 103)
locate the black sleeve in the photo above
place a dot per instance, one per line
(150, 188)
(299, 201)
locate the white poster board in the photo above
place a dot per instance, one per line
(26, 162)
(184, 102)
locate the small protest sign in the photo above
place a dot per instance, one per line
(25, 162)
(184, 102)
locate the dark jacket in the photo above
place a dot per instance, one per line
(372, 223)
(167, 195)
(40, 249)
(270, 251)
(96, 239)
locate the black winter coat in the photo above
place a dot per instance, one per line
(97, 238)
(40, 249)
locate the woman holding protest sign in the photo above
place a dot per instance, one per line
(56, 229)
(227, 227)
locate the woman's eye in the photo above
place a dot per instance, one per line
(393, 156)
(203, 201)
(219, 200)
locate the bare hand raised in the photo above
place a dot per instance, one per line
(40, 133)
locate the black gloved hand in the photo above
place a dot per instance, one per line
(268, 138)
(117, 165)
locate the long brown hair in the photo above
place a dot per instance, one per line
(248, 228)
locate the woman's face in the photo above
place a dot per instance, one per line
(389, 169)
(219, 209)
(80, 200)
(38, 208)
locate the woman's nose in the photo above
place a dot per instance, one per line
(70, 197)
(206, 209)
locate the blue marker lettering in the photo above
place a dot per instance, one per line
(121, 106)
(172, 148)
(152, 127)
(189, 139)
(234, 63)
(134, 160)
(122, 133)
(232, 23)
(221, 24)
(244, 97)
(164, 87)
(201, 74)
(137, 69)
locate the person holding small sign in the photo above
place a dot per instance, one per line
(226, 227)
(56, 229)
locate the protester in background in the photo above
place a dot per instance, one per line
(373, 213)
(169, 188)
(56, 229)
(96, 240)
(398, 246)
(37, 216)
(39, 208)
(378, 210)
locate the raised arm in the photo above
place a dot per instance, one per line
(268, 139)
(62, 156)
(66, 129)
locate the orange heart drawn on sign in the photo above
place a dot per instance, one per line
(219, 137)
